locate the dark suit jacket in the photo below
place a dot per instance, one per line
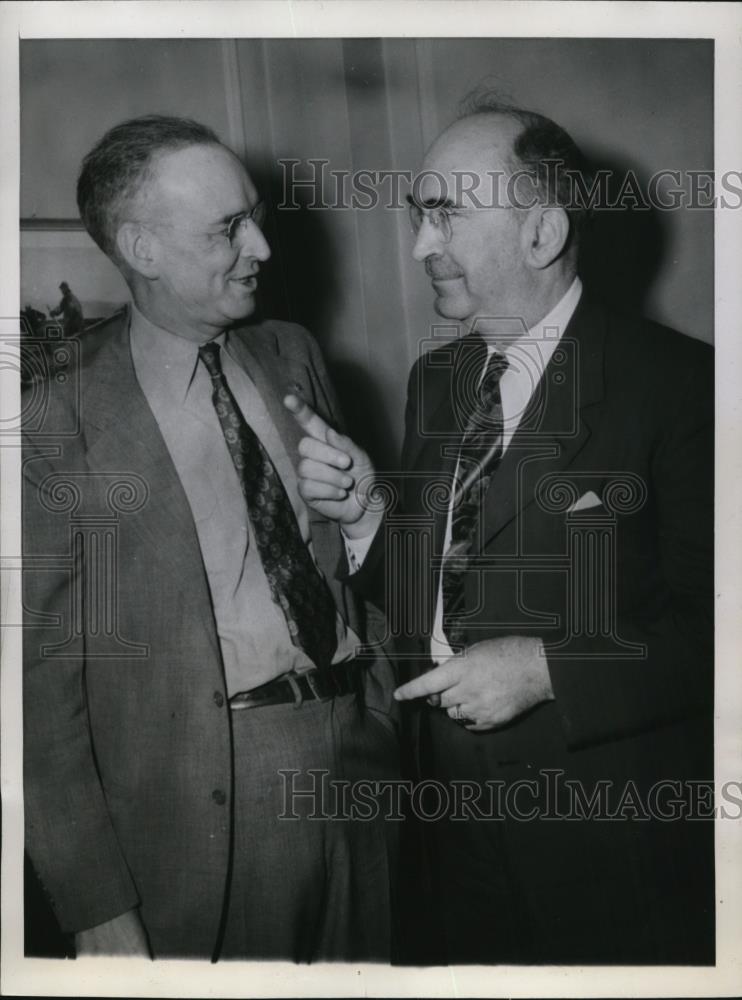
(128, 765)
(621, 594)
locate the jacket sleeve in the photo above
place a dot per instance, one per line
(69, 836)
(602, 699)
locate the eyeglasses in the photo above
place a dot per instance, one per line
(439, 218)
(232, 232)
(237, 227)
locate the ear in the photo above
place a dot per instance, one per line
(546, 234)
(136, 244)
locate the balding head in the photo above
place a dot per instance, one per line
(492, 248)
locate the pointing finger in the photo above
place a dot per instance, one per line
(309, 421)
(433, 682)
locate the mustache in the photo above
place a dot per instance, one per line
(441, 271)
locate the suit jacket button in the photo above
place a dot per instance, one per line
(218, 699)
(218, 796)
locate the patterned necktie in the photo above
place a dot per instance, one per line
(296, 584)
(480, 453)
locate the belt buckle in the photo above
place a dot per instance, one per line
(296, 690)
(311, 677)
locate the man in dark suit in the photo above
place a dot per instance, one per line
(189, 655)
(546, 562)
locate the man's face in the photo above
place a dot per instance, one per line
(481, 272)
(205, 271)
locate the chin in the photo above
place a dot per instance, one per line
(452, 307)
(242, 311)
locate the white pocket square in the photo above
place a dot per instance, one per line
(586, 501)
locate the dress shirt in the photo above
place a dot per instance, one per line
(527, 356)
(253, 635)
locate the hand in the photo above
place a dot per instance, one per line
(491, 683)
(124, 935)
(335, 475)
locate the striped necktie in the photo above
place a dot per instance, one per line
(480, 452)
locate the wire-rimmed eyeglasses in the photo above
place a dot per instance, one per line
(237, 226)
(439, 216)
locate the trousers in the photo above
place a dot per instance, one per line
(310, 882)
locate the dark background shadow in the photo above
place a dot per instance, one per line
(622, 250)
(300, 284)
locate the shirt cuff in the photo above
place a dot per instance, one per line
(356, 549)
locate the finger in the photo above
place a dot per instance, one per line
(310, 490)
(433, 682)
(321, 473)
(452, 696)
(346, 444)
(318, 451)
(434, 700)
(309, 421)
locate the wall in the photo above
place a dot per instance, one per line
(372, 104)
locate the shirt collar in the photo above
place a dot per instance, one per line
(545, 334)
(164, 362)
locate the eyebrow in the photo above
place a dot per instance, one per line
(430, 202)
(231, 216)
(225, 219)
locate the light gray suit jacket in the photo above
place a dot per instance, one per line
(128, 765)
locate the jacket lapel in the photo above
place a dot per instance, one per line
(556, 426)
(122, 436)
(433, 451)
(274, 375)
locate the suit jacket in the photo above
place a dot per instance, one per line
(621, 593)
(128, 765)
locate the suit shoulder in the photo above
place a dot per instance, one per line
(656, 344)
(644, 358)
(280, 337)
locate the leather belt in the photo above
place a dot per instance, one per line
(312, 685)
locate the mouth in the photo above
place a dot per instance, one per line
(249, 282)
(439, 274)
(444, 279)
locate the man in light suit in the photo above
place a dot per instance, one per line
(189, 655)
(547, 560)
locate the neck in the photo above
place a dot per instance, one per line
(530, 307)
(160, 315)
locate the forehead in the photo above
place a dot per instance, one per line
(205, 182)
(475, 145)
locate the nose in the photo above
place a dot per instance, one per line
(253, 243)
(429, 242)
